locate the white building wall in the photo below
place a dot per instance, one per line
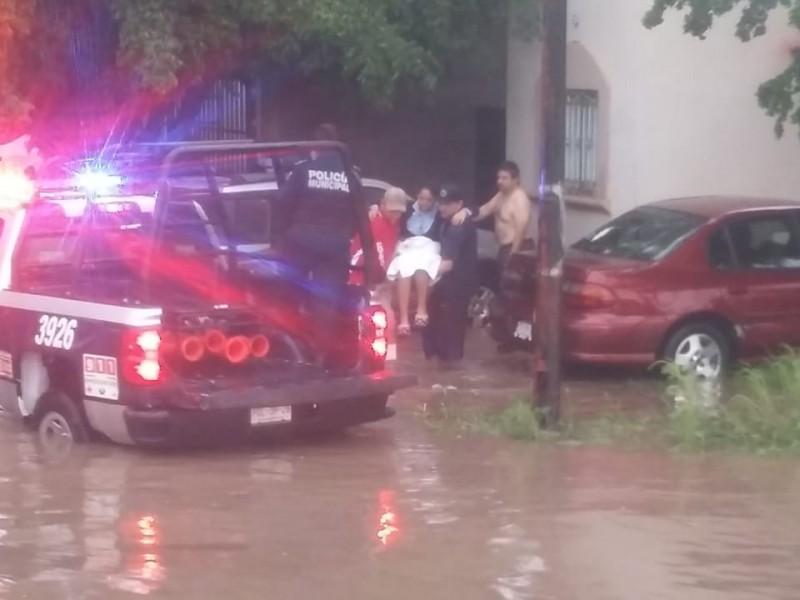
(681, 116)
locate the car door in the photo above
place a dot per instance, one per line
(757, 257)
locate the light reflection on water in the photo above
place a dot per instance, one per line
(392, 512)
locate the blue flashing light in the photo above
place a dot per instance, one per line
(97, 182)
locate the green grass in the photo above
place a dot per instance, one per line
(760, 413)
(519, 420)
(757, 411)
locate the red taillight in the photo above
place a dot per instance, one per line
(587, 296)
(377, 322)
(141, 360)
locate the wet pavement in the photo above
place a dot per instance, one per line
(394, 511)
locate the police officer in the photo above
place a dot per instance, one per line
(444, 336)
(325, 210)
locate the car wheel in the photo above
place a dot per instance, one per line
(479, 305)
(700, 348)
(60, 425)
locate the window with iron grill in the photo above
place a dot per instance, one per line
(580, 161)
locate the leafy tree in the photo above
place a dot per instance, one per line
(385, 46)
(780, 96)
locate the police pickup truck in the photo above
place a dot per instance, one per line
(146, 319)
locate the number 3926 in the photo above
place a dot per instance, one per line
(56, 332)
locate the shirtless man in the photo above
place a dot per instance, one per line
(511, 209)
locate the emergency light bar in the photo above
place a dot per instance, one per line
(97, 182)
(16, 189)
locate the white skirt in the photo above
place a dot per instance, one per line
(414, 254)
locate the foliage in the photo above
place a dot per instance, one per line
(761, 416)
(780, 96)
(519, 420)
(16, 17)
(385, 46)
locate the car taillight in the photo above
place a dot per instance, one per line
(587, 295)
(141, 357)
(374, 334)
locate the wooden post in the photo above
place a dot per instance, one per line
(547, 315)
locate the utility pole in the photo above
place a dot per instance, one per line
(550, 250)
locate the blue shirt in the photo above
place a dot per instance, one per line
(420, 223)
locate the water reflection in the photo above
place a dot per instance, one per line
(387, 522)
(391, 512)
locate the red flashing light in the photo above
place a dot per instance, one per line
(380, 319)
(141, 363)
(16, 189)
(377, 323)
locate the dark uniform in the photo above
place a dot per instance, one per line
(443, 338)
(324, 209)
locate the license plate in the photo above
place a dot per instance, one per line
(272, 414)
(524, 331)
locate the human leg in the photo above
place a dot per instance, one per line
(383, 296)
(422, 285)
(453, 327)
(329, 279)
(433, 335)
(403, 304)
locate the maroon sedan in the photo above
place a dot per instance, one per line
(700, 281)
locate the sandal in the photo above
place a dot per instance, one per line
(404, 330)
(421, 321)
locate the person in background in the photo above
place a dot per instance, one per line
(417, 259)
(324, 209)
(444, 336)
(385, 224)
(511, 209)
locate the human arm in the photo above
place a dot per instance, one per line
(373, 274)
(485, 211)
(521, 220)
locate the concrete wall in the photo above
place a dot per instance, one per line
(417, 143)
(678, 115)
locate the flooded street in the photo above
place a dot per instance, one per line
(394, 511)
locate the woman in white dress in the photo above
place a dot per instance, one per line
(416, 259)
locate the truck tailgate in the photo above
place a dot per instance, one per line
(286, 390)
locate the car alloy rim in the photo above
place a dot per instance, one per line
(479, 308)
(700, 354)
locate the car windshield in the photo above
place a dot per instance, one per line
(647, 234)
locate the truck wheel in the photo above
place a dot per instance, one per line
(61, 423)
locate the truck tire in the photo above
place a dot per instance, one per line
(60, 420)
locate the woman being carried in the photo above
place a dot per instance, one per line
(416, 259)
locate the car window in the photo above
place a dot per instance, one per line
(766, 242)
(373, 195)
(249, 218)
(720, 251)
(50, 237)
(646, 234)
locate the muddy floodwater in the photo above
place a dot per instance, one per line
(394, 511)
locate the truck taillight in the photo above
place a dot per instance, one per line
(141, 357)
(375, 332)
